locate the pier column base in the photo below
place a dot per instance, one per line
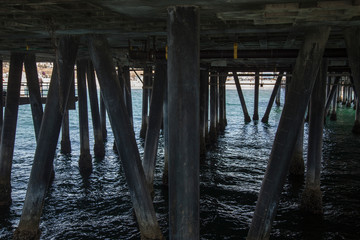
(311, 200)
(297, 167)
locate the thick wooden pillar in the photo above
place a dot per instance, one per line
(128, 100)
(222, 101)
(265, 118)
(331, 95)
(99, 148)
(102, 117)
(297, 166)
(85, 163)
(356, 127)
(256, 97)
(124, 137)
(304, 75)
(349, 97)
(34, 92)
(1, 98)
(334, 105)
(9, 127)
(65, 134)
(352, 36)
(204, 101)
(184, 152)
(242, 99)
(311, 200)
(45, 150)
(278, 96)
(217, 116)
(155, 120)
(145, 101)
(213, 105)
(165, 176)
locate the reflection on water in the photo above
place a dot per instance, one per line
(100, 207)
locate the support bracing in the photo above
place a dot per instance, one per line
(124, 137)
(242, 99)
(311, 200)
(304, 75)
(155, 120)
(99, 148)
(184, 119)
(45, 150)
(34, 91)
(9, 127)
(276, 89)
(85, 163)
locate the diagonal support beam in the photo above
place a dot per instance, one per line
(304, 75)
(124, 137)
(265, 118)
(242, 99)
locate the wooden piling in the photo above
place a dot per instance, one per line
(34, 91)
(165, 176)
(9, 127)
(1, 98)
(65, 134)
(242, 99)
(278, 96)
(99, 148)
(265, 118)
(103, 118)
(349, 97)
(352, 36)
(204, 101)
(128, 100)
(334, 105)
(124, 137)
(155, 120)
(222, 101)
(356, 127)
(311, 200)
(297, 166)
(256, 97)
(213, 105)
(85, 163)
(184, 151)
(304, 75)
(45, 150)
(331, 95)
(145, 101)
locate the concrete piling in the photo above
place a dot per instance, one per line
(265, 118)
(34, 92)
(85, 163)
(184, 150)
(45, 150)
(9, 127)
(304, 75)
(99, 148)
(311, 201)
(124, 137)
(242, 99)
(155, 120)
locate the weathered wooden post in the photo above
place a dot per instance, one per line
(222, 101)
(256, 97)
(85, 164)
(34, 91)
(155, 120)
(1, 98)
(65, 134)
(352, 36)
(356, 127)
(278, 96)
(304, 75)
(349, 97)
(103, 118)
(311, 200)
(99, 148)
(217, 102)
(128, 100)
(204, 101)
(334, 104)
(184, 151)
(331, 95)
(124, 137)
(242, 99)
(56, 104)
(145, 101)
(165, 176)
(213, 100)
(265, 118)
(9, 127)
(297, 166)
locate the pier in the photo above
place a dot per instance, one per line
(186, 57)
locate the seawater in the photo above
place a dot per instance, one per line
(231, 176)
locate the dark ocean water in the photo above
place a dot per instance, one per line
(100, 207)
